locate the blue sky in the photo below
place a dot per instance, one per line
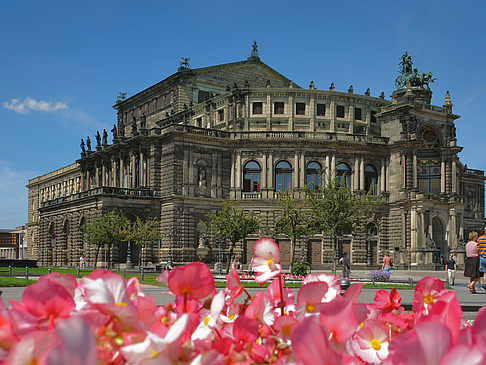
(62, 63)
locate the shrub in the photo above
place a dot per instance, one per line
(300, 268)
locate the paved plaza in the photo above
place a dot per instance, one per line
(460, 288)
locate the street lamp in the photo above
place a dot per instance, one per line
(169, 260)
(53, 245)
(368, 248)
(106, 247)
(129, 255)
(219, 239)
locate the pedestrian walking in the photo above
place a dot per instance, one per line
(471, 266)
(451, 268)
(81, 262)
(481, 245)
(387, 263)
(344, 261)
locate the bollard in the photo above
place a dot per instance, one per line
(141, 274)
(27, 272)
(77, 272)
(10, 271)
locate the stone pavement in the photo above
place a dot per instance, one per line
(367, 295)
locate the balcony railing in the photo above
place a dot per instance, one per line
(100, 190)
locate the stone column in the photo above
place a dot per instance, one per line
(140, 170)
(415, 166)
(296, 171)
(327, 172)
(247, 112)
(302, 180)
(270, 177)
(291, 113)
(238, 170)
(269, 113)
(351, 119)
(382, 176)
(131, 184)
(453, 230)
(263, 177)
(362, 174)
(121, 177)
(413, 229)
(404, 230)
(355, 179)
(233, 170)
(312, 110)
(113, 171)
(454, 175)
(443, 176)
(421, 231)
(332, 109)
(103, 173)
(333, 166)
(404, 169)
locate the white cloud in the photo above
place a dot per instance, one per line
(28, 104)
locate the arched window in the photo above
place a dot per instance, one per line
(313, 175)
(283, 176)
(371, 178)
(251, 177)
(429, 172)
(343, 172)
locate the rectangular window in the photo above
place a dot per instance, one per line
(221, 115)
(299, 108)
(278, 107)
(321, 110)
(257, 108)
(373, 118)
(199, 122)
(357, 113)
(340, 111)
(202, 96)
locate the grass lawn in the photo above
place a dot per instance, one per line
(7, 281)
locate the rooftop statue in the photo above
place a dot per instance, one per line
(409, 74)
(184, 62)
(121, 97)
(254, 50)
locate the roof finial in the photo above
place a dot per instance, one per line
(311, 85)
(448, 103)
(332, 86)
(351, 90)
(254, 50)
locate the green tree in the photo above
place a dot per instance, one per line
(104, 230)
(337, 211)
(232, 223)
(142, 233)
(293, 220)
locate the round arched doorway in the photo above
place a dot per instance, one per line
(438, 235)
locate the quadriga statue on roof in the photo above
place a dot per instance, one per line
(409, 74)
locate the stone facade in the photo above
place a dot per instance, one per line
(242, 131)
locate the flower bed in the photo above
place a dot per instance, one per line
(104, 319)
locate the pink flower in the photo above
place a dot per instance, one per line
(310, 297)
(339, 318)
(426, 344)
(334, 289)
(311, 346)
(387, 301)
(233, 284)
(371, 342)
(266, 262)
(193, 280)
(427, 292)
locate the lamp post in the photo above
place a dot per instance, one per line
(53, 245)
(169, 259)
(368, 249)
(106, 247)
(129, 255)
(219, 239)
